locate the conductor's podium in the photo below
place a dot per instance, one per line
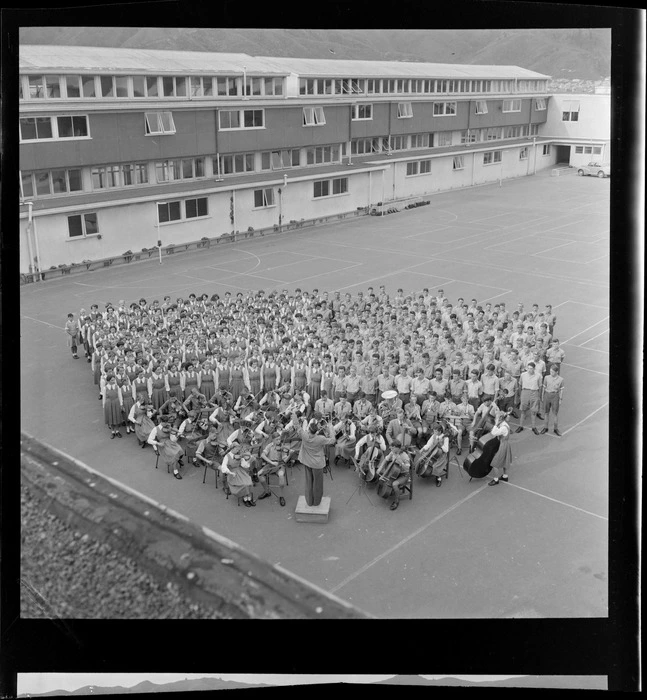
(312, 514)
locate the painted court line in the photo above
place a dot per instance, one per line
(366, 567)
(51, 325)
(561, 245)
(477, 284)
(327, 272)
(586, 369)
(569, 505)
(586, 329)
(585, 419)
(593, 338)
(604, 352)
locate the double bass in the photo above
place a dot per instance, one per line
(477, 464)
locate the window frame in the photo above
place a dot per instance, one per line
(458, 159)
(197, 201)
(84, 225)
(538, 102)
(445, 106)
(483, 107)
(313, 116)
(523, 153)
(496, 157)
(329, 185)
(545, 151)
(511, 103)
(405, 110)
(158, 115)
(266, 203)
(241, 119)
(53, 127)
(355, 112)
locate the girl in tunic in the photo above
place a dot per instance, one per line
(191, 380)
(503, 457)
(165, 439)
(207, 381)
(141, 415)
(285, 373)
(254, 378)
(127, 395)
(174, 380)
(345, 447)
(270, 372)
(96, 360)
(157, 387)
(314, 385)
(140, 387)
(327, 380)
(300, 378)
(223, 374)
(236, 466)
(238, 381)
(112, 405)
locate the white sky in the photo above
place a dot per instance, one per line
(44, 682)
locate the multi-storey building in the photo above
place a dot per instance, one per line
(120, 148)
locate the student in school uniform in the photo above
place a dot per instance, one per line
(112, 406)
(72, 330)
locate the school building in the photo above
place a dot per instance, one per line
(122, 148)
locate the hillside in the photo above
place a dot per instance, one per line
(575, 53)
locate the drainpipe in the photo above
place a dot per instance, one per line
(33, 226)
(233, 209)
(534, 162)
(370, 187)
(245, 83)
(29, 225)
(350, 135)
(383, 194)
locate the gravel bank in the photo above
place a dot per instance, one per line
(68, 574)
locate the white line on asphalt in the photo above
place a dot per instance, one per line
(51, 325)
(597, 323)
(586, 369)
(569, 505)
(587, 417)
(357, 573)
(593, 338)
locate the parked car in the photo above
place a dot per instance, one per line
(597, 169)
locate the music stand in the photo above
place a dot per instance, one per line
(361, 486)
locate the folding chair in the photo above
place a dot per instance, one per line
(407, 487)
(157, 459)
(216, 469)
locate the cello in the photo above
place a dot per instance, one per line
(424, 462)
(367, 463)
(388, 472)
(477, 464)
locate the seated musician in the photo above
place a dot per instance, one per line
(398, 455)
(343, 407)
(224, 422)
(244, 405)
(325, 405)
(345, 434)
(301, 403)
(483, 422)
(164, 439)
(400, 429)
(174, 411)
(438, 448)
(412, 413)
(195, 401)
(387, 408)
(208, 451)
(465, 411)
(193, 430)
(236, 466)
(272, 463)
(143, 416)
(372, 419)
(507, 391)
(361, 407)
(270, 400)
(245, 437)
(429, 412)
(371, 438)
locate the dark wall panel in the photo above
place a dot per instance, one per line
(423, 119)
(378, 126)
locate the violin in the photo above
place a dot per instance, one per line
(477, 464)
(388, 472)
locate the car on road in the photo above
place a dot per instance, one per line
(597, 169)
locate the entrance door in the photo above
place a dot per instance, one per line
(563, 155)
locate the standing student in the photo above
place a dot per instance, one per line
(72, 329)
(112, 405)
(529, 382)
(503, 457)
(552, 391)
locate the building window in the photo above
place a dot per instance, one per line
(418, 167)
(444, 138)
(47, 128)
(134, 174)
(492, 134)
(571, 112)
(405, 111)
(264, 198)
(458, 163)
(51, 182)
(139, 86)
(237, 163)
(253, 86)
(512, 132)
(313, 116)
(512, 105)
(447, 109)
(326, 188)
(169, 211)
(481, 107)
(597, 150)
(398, 143)
(194, 208)
(273, 86)
(491, 157)
(371, 145)
(362, 112)
(44, 87)
(241, 118)
(540, 104)
(82, 225)
(159, 123)
(546, 149)
(523, 154)
(278, 160)
(469, 136)
(322, 154)
(419, 141)
(72, 86)
(201, 86)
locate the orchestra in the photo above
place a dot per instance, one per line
(388, 384)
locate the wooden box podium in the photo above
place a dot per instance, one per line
(312, 514)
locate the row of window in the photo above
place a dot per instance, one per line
(54, 87)
(61, 181)
(589, 150)
(394, 86)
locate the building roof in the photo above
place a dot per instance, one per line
(101, 59)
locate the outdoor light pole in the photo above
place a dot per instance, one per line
(159, 240)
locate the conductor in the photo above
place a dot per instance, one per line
(314, 439)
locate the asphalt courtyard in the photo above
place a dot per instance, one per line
(535, 547)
